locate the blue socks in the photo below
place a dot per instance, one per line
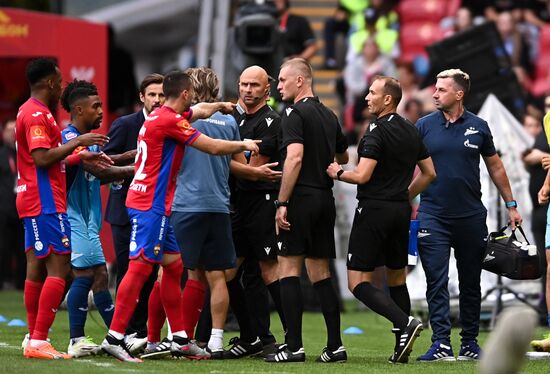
(77, 304)
(104, 304)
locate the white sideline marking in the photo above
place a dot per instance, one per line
(8, 346)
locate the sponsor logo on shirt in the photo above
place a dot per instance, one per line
(422, 233)
(268, 121)
(37, 132)
(22, 188)
(35, 231)
(214, 121)
(359, 210)
(470, 131)
(70, 135)
(36, 114)
(242, 123)
(288, 111)
(117, 185)
(468, 145)
(267, 250)
(372, 126)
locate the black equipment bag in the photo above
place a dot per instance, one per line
(504, 256)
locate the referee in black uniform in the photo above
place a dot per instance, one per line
(312, 139)
(252, 220)
(388, 154)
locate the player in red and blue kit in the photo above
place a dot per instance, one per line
(41, 202)
(161, 144)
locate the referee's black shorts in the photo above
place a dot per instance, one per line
(311, 214)
(379, 235)
(254, 225)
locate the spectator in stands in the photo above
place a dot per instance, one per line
(413, 110)
(411, 89)
(493, 8)
(381, 22)
(537, 12)
(462, 20)
(297, 38)
(348, 15)
(514, 42)
(362, 68)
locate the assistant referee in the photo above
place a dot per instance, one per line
(388, 154)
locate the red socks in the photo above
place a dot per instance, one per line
(170, 293)
(31, 297)
(156, 315)
(50, 298)
(192, 303)
(128, 294)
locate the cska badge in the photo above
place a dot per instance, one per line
(156, 250)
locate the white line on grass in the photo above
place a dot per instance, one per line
(8, 346)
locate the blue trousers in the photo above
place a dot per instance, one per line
(435, 238)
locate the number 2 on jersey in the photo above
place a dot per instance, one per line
(141, 151)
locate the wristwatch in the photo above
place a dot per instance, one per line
(339, 173)
(280, 203)
(511, 204)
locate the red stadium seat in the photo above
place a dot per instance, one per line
(426, 10)
(415, 36)
(544, 39)
(541, 83)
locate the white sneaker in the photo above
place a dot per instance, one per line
(26, 340)
(83, 347)
(135, 344)
(117, 349)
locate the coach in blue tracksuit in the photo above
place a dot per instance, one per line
(451, 213)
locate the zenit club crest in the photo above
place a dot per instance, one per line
(65, 241)
(156, 250)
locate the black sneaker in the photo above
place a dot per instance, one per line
(240, 348)
(406, 340)
(268, 349)
(338, 355)
(286, 355)
(397, 333)
(218, 354)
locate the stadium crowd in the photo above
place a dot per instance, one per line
(230, 200)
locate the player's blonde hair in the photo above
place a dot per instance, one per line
(206, 84)
(461, 78)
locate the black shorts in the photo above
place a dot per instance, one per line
(379, 235)
(254, 225)
(205, 240)
(311, 214)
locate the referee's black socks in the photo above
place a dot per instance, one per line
(400, 296)
(275, 292)
(331, 312)
(381, 303)
(293, 307)
(238, 305)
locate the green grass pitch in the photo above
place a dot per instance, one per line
(367, 353)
